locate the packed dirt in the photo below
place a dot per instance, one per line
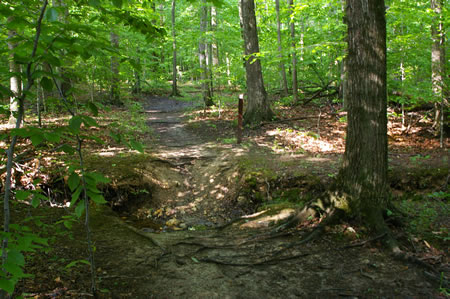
(199, 225)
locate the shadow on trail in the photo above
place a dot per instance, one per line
(232, 261)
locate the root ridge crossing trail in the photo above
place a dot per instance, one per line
(202, 258)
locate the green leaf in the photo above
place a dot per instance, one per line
(93, 108)
(195, 260)
(89, 121)
(97, 198)
(16, 257)
(94, 3)
(47, 84)
(115, 137)
(67, 224)
(74, 263)
(13, 268)
(7, 285)
(51, 14)
(79, 209)
(52, 60)
(37, 138)
(75, 124)
(73, 181)
(35, 202)
(22, 195)
(137, 146)
(117, 3)
(52, 137)
(98, 177)
(22, 132)
(39, 196)
(67, 149)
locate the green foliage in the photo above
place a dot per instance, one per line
(21, 239)
(126, 131)
(425, 217)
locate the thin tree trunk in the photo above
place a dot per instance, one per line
(284, 84)
(10, 150)
(115, 91)
(174, 56)
(227, 59)
(206, 91)
(215, 49)
(294, 52)
(438, 65)
(15, 81)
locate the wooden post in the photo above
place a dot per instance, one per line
(240, 111)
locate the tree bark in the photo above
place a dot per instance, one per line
(115, 91)
(294, 52)
(206, 91)
(438, 65)
(280, 50)
(174, 51)
(215, 49)
(364, 171)
(258, 108)
(15, 82)
(209, 52)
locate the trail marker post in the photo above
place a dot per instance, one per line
(240, 111)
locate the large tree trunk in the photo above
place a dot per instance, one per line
(258, 108)
(206, 91)
(174, 49)
(364, 171)
(438, 65)
(294, 52)
(280, 50)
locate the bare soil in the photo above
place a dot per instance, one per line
(179, 224)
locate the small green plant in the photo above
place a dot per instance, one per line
(286, 101)
(231, 140)
(442, 289)
(418, 159)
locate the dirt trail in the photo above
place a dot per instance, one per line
(231, 262)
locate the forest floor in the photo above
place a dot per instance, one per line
(195, 217)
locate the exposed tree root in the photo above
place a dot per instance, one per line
(142, 234)
(364, 242)
(333, 217)
(257, 263)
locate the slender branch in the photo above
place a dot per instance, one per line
(10, 151)
(85, 196)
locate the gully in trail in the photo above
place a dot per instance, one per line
(195, 161)
(204, 255)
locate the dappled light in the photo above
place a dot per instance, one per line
(216, 149)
